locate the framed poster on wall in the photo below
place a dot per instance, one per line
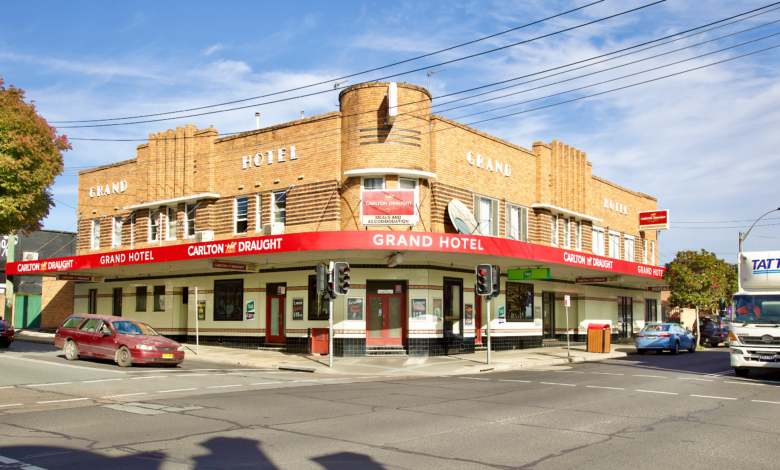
(201, 309)
(297, 309)
(468, 314)
(437, 310)
(355, 308)
(419, 309)
(250, 309)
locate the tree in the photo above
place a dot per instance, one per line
(30, 159)
(699, 280)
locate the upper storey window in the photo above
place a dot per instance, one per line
(170, 217)
(279, 207)
(241, 210)
(370, 184)
(486, 214)
(95, 234)
(516, 222)
(116, 237)
(154, 226)
(554, 230)
(189, 220)
(598, 241)
(614, 245)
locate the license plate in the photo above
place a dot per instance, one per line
(767, 358)
(167, 356)
(650, 337)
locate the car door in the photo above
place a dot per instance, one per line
(84, 336)
(686, 341)
(104, 340)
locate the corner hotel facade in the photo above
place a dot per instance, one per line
(245, 219)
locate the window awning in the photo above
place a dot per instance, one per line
(176, 200)
(391, 171)
(563, 211)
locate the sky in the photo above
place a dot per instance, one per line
(703, 142)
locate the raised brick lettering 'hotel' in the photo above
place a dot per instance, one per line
(244, 219)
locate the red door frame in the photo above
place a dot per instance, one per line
(281, 338)
(478, 321)
(385, 340)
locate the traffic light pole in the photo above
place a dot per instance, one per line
(330, 332)
(488, 329)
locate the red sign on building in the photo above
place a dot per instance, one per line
(389, 207)
(654, 220)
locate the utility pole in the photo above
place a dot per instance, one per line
(9, 283)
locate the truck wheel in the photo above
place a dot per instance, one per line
(71, 351)
(123, 357)
(741, 372)
(676, 349)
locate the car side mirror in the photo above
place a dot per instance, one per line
(107, 333)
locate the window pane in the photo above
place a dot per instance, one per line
(159, 298)
(140, 299)
(519, 302)
(191, 220)
(485, 213)
(242, 206)
(406, 183)
(170, 217)
(373, 183)
(228, 299)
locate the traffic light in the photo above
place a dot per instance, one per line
(484, 279)
(341, 278)
(496, 280)
(322, 278)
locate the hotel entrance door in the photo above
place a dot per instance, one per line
(386, 318)
(548, 315)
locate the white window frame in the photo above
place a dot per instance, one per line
(630, 254)
(493, 229)
(156, 215)
(644, 251)
(116, 237)
(236, 220)
(273, 207)
(613, 234)
(363, 182)
(416, 196)
(554, 227)
(566, 233)
(258, 213)
(95, 235)
(522, 219)
(168, 211)
(190, 218)
(598, 248)
(578, 235)
(652, 253)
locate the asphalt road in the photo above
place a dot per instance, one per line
(652, 411)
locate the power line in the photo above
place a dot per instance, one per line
(725, 221)
(377, 79)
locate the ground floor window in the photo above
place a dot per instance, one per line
(317, 310)
(651, 310)
(140, 298)
(228, 299)
(159, 298)
(92, 307)
(625, 326)
(519, 302)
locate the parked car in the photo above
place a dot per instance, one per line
(124, 340)
(712, 330)
(664, 336)
(6, 333)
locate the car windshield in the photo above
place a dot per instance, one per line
(756, 309)
(656, 328)
(133, 328)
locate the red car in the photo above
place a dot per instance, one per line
(124, 340)
(6, 333)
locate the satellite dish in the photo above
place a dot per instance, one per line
(461, 217)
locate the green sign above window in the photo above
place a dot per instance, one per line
(528, 274)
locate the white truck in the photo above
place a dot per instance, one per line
(755, 313)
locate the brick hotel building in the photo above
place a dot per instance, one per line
(244, 219)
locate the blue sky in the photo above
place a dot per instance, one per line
(705, 143)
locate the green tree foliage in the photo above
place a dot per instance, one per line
(30, 159)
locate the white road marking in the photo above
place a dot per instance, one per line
(655, 391)
(224, 386)
(13, 404)
(266, 383)
(177, 390)
(606, 373)
(149, 377)
(101, 380)
(762, 401)
(689, 378)
(608, 388)
(744, 383)
(716, 374)
(10, 386)
(523, 381)
(552, 383)
(375, 377)
(47, 385)
(717, 398)
(125, 395)
(48, 363)
(60, 401)
(472, 378)
(653, 376)
(17, 464)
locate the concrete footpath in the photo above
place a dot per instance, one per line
(385, 366)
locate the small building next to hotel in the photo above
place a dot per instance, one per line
(227, 231)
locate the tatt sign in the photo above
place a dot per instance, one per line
(389, 207)
(654, 220)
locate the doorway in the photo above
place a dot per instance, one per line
(453, 306)
(548, 315)
(651, 310)
(478, 325)
(117, 302)
(275, 297)
(625, 317)
(386, 315)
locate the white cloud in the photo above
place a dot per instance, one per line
(212, 49)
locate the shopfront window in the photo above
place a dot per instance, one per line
(95, 234)
(116, 236)
(317, 311)
(170, 219)
(517, 222)
(241, 214)
(159, 299)
(486, 214)
(598, 241)
(279, 207)
(519, 302)
(154, 226)
(140, 298)
(629, 246)
(614, 245)
(189, 217)
(228, 299)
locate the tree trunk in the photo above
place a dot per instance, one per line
(697, 328)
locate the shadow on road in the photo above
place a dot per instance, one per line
(61, 457)
(233, 452)
(348, 461)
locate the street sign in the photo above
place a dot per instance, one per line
(591, 280)
(528, 274)
(567, 301)
(654, 220)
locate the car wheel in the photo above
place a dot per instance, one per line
(641, 351)
(123, 357)
(676, 349)
(71, 351)
(692, 349)
(742, 372)
(4, 343)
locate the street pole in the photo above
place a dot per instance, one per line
(488, 330)
(197, 333)
(330, 333)
(568, 351)
(9, 283)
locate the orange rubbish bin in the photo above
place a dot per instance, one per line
(599, 335)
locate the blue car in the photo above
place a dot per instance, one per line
(664, 336)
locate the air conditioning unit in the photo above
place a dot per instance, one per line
(204, 236)
(30, 256)
(275, 228)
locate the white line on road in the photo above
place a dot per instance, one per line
(744, 383)
(653, 376)
(608, 388)
(689, 378)
(655, 391)
(47, 385)
(523, 381)
(49, 363)
(553, 383)
(13, 404)
(266, 383)
(606, 373)
(472, 378)
(717, 398)
(60, 401)
(224, 386)
(125, 395)
(716, 374)
(762, 401)
(101, 380)
(178, 390)
(10, 386)
(149, 377)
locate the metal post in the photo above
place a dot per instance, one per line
(9, 283)
(568, 351)
(330, 333)
(740, 241)
(488, 329)
(197, 333)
